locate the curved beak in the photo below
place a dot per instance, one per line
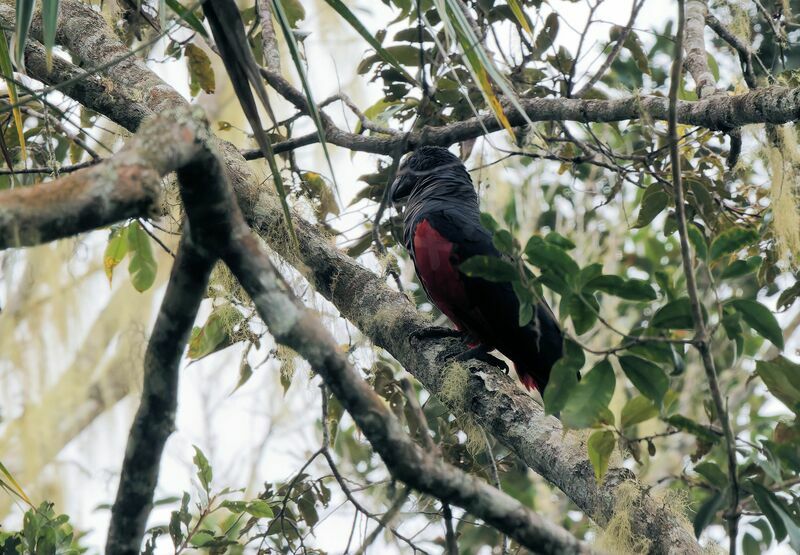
(400, 189)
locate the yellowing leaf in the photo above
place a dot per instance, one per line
(116, 250)
(516, 9)
(200, 70)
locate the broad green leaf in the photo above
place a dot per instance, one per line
(742, 267)
(259, 508)
(504, 241)
(601, 445)
(675, 314)
(548, 256)
(204, 472)
(760, 318)
(236, 507)
(563, 378)
(559, 240)
(698, 242)
(705, 514)
(525, 314)
(142, 265)
(8, 74)
(294, 10)
(368, 36)
(49, 24)
(24, 17)
(773, 509)
(713, 473)
(116, 250)
(488, 221)
(188, 17)
(490, 268)
(590, 398)
(688, 425)
(630, 289)
(648, 378)
(216, 333)
(201, 73)
(782, 378)
(732, 240)
(637, 410)
(654, 201)
(583, 309)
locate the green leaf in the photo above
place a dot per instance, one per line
(116, 250)
(675, 314)
(188, 17)
(742, 267)
(688, 425)
(760, 318)
(705, 514)
(259, 509)
(698, 242)
(522, 19)
(732, 240)
(525, 314)
(142, 266)
(294, 10)
(583, 310)
(490, 268)
(488, 221)
(648, 378)
(49, 24)
(236, 507)
(636, 410)
(713, 474)
(368, 36)
(563, 378)
(601, 445)
(504, 241)
(7, 69)
(548, 256)
(772, 507)
(204, 472)
(201, 73)
(631, 289)
(590, 398)
(559, 240)
(782, 378)
(24, 17)
(654, 201)
(216, 333)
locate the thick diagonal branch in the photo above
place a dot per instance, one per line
(695, 46)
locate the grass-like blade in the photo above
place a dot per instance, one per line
(460, 30)
(187, 16)
(313, 110)
(516, 9)
(7, 68)
(228, 31)
(11, 485)
(49, 24)
(368, 36)
(21, 28)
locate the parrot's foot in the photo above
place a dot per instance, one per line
(436, 332)
(481, 353)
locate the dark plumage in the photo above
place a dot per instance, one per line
(442, 229)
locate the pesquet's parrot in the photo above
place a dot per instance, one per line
(441, 230)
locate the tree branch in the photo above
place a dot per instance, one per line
(155, 418)
(695, 47)
(701, 338)
(741, 47)
(387, 318)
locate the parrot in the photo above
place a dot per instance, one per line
(441, 230)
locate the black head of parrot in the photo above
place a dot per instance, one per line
(420, 167)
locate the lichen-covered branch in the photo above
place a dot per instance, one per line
(695, 47)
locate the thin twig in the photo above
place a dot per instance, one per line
(701, 339)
